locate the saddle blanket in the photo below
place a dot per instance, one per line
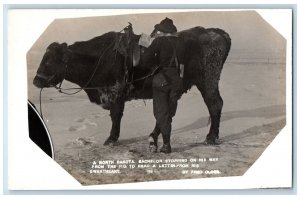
(145, 40)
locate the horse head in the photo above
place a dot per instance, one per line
(52, 68)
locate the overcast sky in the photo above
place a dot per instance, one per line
(246, 28)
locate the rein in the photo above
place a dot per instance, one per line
(145, 77)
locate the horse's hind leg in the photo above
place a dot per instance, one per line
(214, 103)
(116, 113)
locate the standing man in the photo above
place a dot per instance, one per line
(167, 50)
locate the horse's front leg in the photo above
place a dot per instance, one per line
(116, 113)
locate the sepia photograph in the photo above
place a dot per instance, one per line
(146, 97)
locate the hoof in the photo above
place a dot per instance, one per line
(212, 141)
(166, 148)
(110, 142)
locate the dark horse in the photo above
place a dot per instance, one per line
(103, 68)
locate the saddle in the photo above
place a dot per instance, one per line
(128, 46)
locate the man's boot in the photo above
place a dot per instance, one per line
(166, 148)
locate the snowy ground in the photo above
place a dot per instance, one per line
(253, 114)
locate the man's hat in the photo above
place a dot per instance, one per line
(166, 26)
